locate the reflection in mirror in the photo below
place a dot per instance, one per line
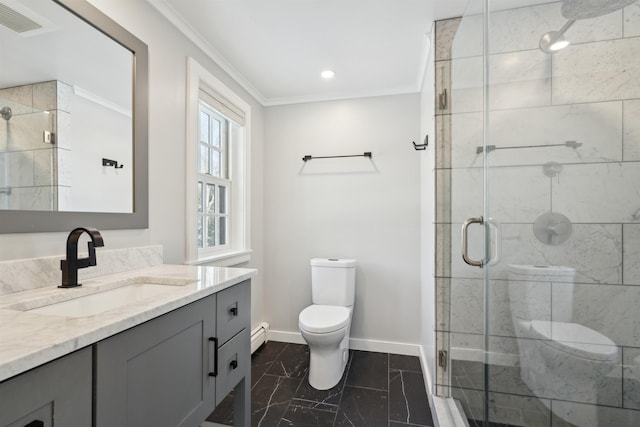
(73, 119)
(67, 99)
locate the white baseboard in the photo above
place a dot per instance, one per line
(354, 343)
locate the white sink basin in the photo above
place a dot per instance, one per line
(100, 302)
(101, 296)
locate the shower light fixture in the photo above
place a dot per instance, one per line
(553, 41)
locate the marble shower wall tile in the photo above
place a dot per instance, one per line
(32, 199)
(517, 80)
(611, 310)
(631, 254)
(506, 196)
(445, 33)
(632, 20)
(466, 85)
(631, 377)
(631, 133)
(45, 96)
(26, 130)
(569, 414)
(599, 193)
(19, 99)
(593, 72)
(468, 37)
(521, 28)
(604, 265)
(598, 127)
(442, 83)
(43, 167)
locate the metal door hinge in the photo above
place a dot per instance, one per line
(442, 359)
(443, 101)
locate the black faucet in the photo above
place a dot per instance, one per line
(71, 265)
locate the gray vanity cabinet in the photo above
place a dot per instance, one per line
(173, 370)
(59, 390)
(157, 373)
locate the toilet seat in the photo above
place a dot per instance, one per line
(322, 319)
(575, 339)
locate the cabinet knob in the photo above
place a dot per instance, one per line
(233, 311)
(233, 364)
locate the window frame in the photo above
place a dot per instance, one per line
(237, 249)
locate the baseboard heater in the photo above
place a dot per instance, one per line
(259, 336)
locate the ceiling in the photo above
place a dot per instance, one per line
(276, 49)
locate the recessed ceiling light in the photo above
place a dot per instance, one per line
(328, 74)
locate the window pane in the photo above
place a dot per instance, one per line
(211, 198)
(204, 159)
(216, 132)
(222, 203)
(211, 231)
(200, 229)
(215, 163)
(204, 127)
(200, 198)
(223, 230)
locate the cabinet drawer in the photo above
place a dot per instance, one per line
(234, 361)
(233, 311)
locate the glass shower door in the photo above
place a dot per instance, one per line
(561, 163)
(538, 107)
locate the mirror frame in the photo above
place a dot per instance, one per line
(16, 221)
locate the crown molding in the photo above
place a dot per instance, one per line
(176, 19)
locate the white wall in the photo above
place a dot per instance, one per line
(168, 51)
(350, 208)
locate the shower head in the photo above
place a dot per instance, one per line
(6, 113)
(585, 9)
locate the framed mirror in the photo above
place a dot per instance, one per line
(73, 119)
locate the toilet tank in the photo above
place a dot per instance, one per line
(333, 281)
(529, 291)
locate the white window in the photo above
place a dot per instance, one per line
(217, 173)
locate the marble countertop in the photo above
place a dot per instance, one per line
(28, 340)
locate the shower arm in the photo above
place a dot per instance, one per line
(561, 31)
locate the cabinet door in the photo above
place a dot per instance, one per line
(59, 390)
(157, 374)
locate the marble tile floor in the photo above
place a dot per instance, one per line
(377, 389)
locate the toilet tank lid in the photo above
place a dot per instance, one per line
(333, 262)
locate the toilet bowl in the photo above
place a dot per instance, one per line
(559, 359)
(325, 324)
(325, 328)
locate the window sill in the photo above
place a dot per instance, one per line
(225, 259)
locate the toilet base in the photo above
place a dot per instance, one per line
(328, 358)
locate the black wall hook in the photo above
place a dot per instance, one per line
(109, 162)
(420, 147)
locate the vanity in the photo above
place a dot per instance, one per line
(154, 346)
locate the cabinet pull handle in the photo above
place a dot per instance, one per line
(233, 364)
(35, 423)
(233, 311)
(215, 357)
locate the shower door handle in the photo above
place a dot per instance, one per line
(465, 227)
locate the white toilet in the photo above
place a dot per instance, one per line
(326, 323)
(556, 356)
